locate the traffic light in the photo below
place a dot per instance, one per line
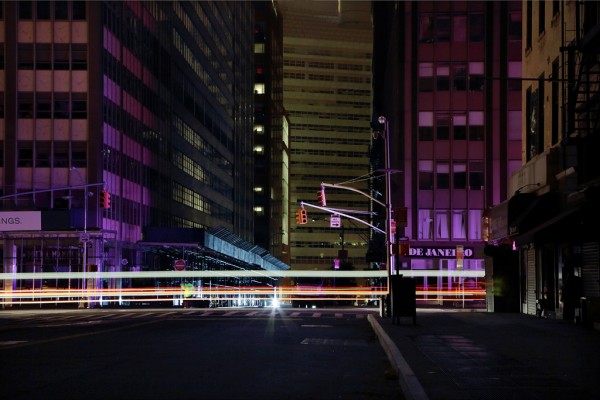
(303, 216)
(298, 218)
(104, 199)
(321, 195)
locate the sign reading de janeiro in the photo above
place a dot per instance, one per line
(20, 221)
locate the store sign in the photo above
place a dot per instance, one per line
(439, 252)
(20, 221)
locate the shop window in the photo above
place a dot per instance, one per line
(459, 224)
(475, 224)
(442, 225)
(425, 224)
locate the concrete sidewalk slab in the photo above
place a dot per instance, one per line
(479, 355)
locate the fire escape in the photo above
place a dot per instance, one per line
(582, 103)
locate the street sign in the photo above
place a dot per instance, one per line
(179, 265)
(335, 221)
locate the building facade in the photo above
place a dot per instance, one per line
(446, 77)
(149, 104)
(271, 135)
(327, 89)
(551, 218)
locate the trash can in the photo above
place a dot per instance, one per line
(404, 298)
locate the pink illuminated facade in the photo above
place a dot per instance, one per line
(137, 98)
(446, 75)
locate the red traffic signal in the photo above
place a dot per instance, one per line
(321, 195)
(104, 199)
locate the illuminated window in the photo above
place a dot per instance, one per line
(259, 149)
(259, 88)
(258, 189)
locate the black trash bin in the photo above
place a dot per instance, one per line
(404, 298)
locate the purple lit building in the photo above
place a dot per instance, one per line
(446, 76)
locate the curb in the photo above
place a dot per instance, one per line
(410, 385)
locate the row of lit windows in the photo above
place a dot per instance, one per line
(311, 51)
(336, 166)
(329, 115)
(443, 77)
(329, 128)
(326, 78)
(315, 64)
(330, 140)
(447, 225)
(458, 28)
(458, 126)
(192, 168)
(325, 245)
(200, 144)
(190, 198)
(456, 175)
(331, 153)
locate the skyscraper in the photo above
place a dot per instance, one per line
(441, 78)
(149, 103)
(327, 89)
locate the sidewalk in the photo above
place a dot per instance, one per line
(480, 355)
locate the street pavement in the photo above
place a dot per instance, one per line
(456, 354)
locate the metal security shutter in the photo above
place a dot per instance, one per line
(531, 288)
(590, 270)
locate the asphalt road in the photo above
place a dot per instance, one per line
(193, 354)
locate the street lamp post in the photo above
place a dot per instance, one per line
(389, 237)
(84, 238)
